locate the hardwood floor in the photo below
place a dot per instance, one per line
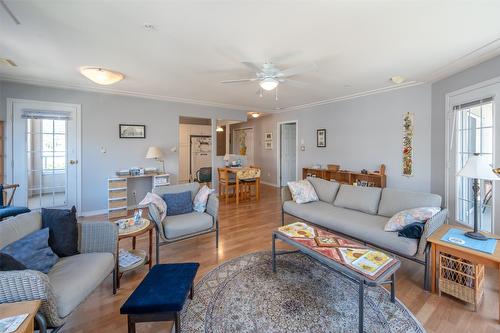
(247, 228)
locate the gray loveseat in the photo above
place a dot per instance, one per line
(362, 212)
(71, 280)
(178, 227)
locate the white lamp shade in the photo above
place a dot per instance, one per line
(477, 167)
(154, 152)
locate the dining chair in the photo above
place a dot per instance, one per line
(248, 178)
(226, 182)
(6, 208)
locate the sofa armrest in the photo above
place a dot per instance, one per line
(430, 227)
(213, 206)
(97, 237)
(286, 195)
(155, 217)
(29, 285)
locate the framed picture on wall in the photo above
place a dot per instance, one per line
(268, 136)
(321, 138)
(268, 145)
(128, 131)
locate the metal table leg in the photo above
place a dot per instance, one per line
(274, 253)
(393, 287)
(361, 306)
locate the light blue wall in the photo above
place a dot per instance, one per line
(101, 114)
(361, 133)
(482, 72)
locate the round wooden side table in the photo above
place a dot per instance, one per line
(133, 231)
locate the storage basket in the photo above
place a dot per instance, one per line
(461, 278)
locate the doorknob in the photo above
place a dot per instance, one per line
(73, 161)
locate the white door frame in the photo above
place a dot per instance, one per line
(9, 142)
(278, 150)
(449, 119)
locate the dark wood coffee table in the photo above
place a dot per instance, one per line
(332, 258)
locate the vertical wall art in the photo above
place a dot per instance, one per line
(408, 144)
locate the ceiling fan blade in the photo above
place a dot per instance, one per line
(295, 83)
(297, 70)
(239, 80)
(252, 66)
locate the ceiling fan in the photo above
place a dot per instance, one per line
(269, 76)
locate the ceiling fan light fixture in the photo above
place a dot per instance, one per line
(268, 84)
(101, 75)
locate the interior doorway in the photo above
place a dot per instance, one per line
(44, 153)
(287, 152)
(195, 150)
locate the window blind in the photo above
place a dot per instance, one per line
(45, 114)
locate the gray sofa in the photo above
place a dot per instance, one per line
(362, 212)
(71, 280)
(178, 227)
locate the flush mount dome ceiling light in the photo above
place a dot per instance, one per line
(255, 114)
(268, 84)
(398, 79)
(101, 75)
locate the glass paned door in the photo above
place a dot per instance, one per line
(474, 134)
(46, 151)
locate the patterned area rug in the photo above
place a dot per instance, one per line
(244, 295)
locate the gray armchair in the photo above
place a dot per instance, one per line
(71, 280)
(178, 227)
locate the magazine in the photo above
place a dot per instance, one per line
(298, 229)
(11, 324)
(126, 259)
(372, 262)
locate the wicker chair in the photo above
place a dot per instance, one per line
(70, 281)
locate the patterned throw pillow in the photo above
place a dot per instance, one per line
(33, 251)
(201, 198)
(409, 216)
(302, 191)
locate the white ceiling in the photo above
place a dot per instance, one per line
(357, 45)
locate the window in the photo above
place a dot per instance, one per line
(53, 146)
(475, 130)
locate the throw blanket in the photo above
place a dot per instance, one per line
(157, 202)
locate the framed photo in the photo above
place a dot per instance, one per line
(268, 136)
(268, 145)
(128, 131)
(321, 138)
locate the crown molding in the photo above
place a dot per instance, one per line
(352, 96)
(61, 85)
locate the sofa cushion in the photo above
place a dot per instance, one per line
(366, 227)
(364, 199)
(186, 224)
(9, 263)
(178, 203)
(17, 227)
(394, 200)
(63, 230)
(201, 198)
(33, 251)
(409, 216)
(326, 190)
(74, 278)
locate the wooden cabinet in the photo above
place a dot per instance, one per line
(348, 177)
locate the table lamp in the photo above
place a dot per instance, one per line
(477, 168)
(156, 153)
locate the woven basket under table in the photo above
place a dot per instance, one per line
(461, 279)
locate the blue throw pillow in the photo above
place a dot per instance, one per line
(178, 203)
(33, 251)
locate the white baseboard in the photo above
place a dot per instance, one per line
(269, 184)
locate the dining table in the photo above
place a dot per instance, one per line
(234, 170)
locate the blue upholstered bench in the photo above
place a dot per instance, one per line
(161, 295)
